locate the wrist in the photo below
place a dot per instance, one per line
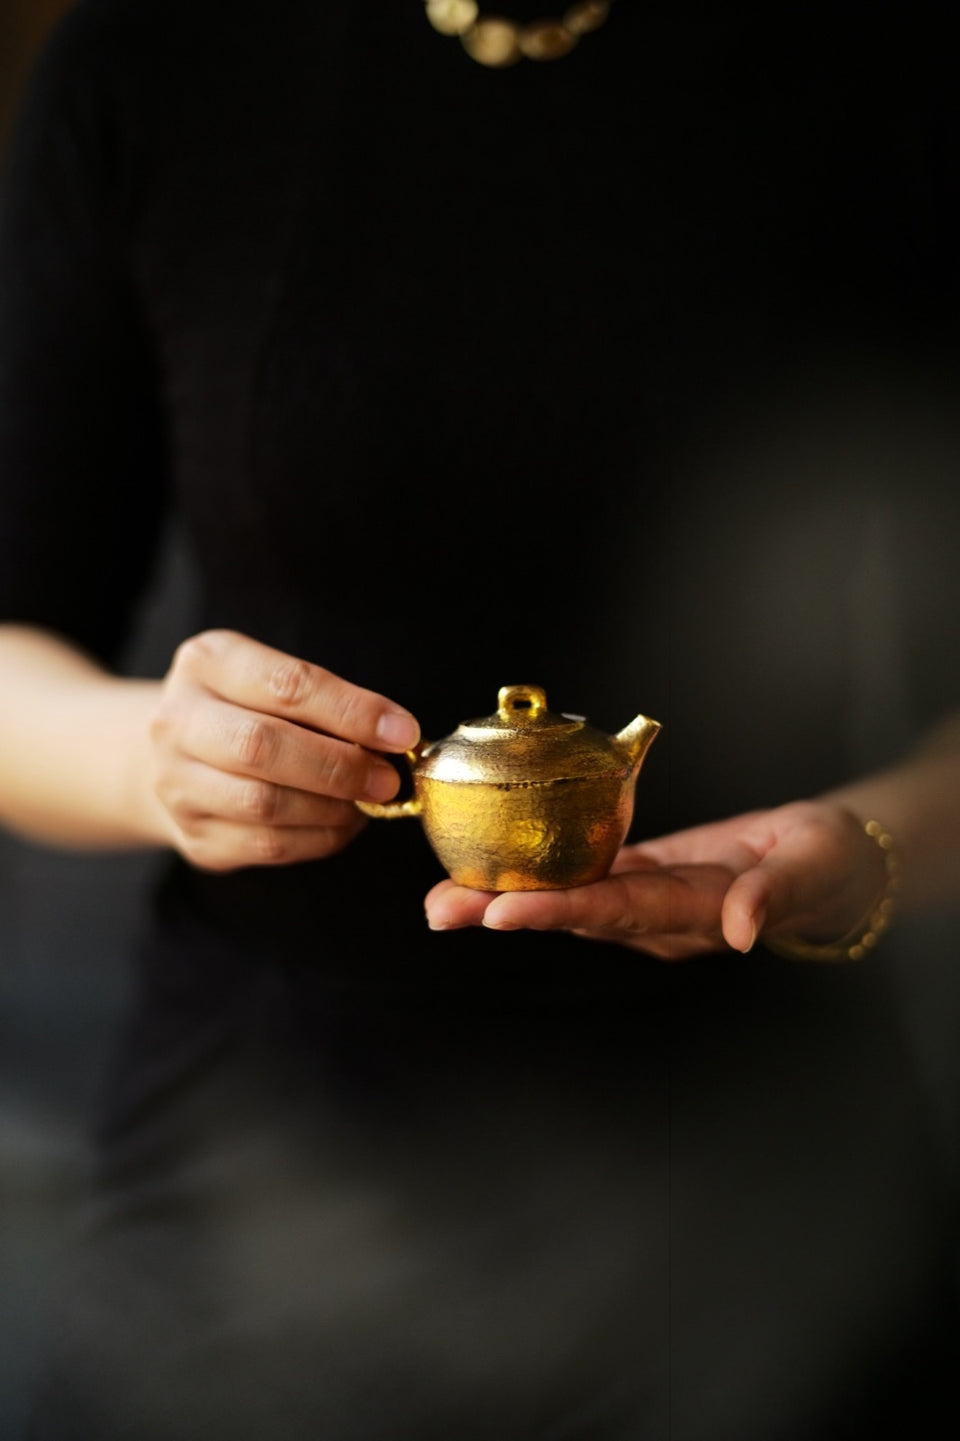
(133, 803)
(861, 938)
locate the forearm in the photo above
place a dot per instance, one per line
(918, 800)
(74, 747)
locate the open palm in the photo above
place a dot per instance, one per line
(805, 868)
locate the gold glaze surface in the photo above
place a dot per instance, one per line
(525, 799)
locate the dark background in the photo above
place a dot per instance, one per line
(65, 926)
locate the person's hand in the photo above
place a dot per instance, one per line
(806, 868)
(257, 757)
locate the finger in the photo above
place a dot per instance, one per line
(659, 948)
(229, 846)
(808, 880)
(633, 858)
(684, 899)
(248, 743)
(198, 792)
(262, 679)
(728, 842)
(449, 906)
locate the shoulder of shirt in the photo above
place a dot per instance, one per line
(129, 40)
(108, 87)
(114, 71)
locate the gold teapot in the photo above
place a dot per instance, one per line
(524, 799)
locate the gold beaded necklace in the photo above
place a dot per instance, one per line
(498, 42)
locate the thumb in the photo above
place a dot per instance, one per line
(797, 881)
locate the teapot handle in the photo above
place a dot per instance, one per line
(393, 810)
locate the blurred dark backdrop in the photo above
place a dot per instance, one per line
(65, 926)
(65, 923)
(23, 26)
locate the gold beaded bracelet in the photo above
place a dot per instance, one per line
(862, 939)
(497, 42)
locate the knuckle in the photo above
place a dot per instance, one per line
(328, 842)
(176, 800)
(195, 653)
(343, 770)
(666, 950)
(167, 712)
(622, 913)
(352, 710)
(196, 849)
(163, 787)
(260, 802)
(291, 681)
(189, 820)
(161, 724)
(254, 743)
(267, 846)
(190, 654)
(169, 790)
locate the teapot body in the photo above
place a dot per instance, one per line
(525, 800)
(526, 836)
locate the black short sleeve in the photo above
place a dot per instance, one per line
(82, 461)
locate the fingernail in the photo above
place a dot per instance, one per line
(438, 925)
(382, 782)
(398, 728)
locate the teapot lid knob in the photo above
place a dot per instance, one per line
(519, 704)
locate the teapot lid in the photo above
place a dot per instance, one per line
(523, 742)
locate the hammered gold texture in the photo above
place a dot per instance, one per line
(527, 837)
(477, 752)
(524, 799)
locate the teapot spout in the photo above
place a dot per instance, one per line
(636, 737)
